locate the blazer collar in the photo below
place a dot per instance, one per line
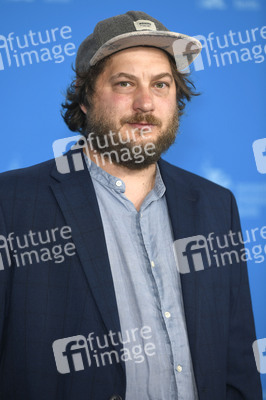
(76, 197)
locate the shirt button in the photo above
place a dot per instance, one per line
(118, 183)
(152, 263)
(179, 368)
(167, 314)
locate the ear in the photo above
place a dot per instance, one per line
(83, 108)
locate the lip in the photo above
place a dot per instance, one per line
(141, 125)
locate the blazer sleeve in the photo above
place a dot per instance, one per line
(243, 379)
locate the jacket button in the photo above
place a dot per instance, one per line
(115, 397)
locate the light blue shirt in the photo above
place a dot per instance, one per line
(148, 291)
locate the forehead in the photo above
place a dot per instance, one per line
(137, 60)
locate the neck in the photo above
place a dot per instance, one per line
(138, 182)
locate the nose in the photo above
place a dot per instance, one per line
(143, 100)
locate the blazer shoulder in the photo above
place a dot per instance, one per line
(33, 171)
(19, 180)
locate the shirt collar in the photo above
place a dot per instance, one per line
(117, 184)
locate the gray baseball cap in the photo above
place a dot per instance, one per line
(135, 28)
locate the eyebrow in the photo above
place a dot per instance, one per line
(133, 77)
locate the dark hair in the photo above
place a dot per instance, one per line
(82, 88)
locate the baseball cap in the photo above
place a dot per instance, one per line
(135, 28)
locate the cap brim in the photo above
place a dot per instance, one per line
(182, 47)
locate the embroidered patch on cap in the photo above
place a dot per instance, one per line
(144, 24)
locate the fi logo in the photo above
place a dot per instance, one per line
(192, 253)
(259, 350)
(60, 146)
(5, 259)
(71, 354)
(259, 150)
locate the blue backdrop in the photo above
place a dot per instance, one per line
(38, 43)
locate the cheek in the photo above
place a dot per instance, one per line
(114, 103)
(173, 102)
(166, 104)
(166, 108)
(121, 101)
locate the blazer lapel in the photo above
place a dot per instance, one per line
(76, 197)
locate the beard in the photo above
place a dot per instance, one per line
(122, 151)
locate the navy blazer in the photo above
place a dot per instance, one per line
(44, 301)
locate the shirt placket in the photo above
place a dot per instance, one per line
(167, 309)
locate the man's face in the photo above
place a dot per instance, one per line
(135, 98)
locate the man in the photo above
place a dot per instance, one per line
(108, 287)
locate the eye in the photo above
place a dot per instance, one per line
(123, 84)
(161, 85)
